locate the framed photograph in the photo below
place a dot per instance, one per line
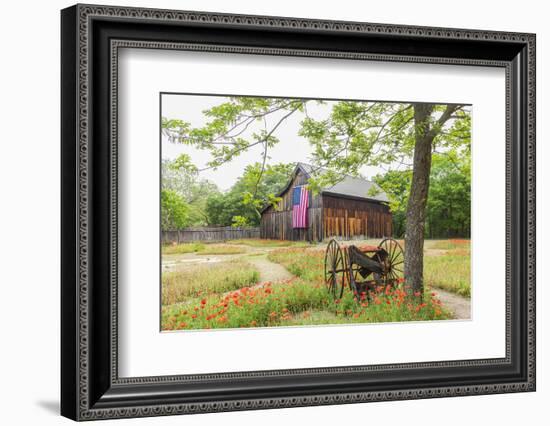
(263, 212)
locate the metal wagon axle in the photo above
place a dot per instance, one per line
(362, 270)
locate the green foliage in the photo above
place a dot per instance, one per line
(180, 176)
(357, 134)
(448, 207)
(242, 204)
(239, 221)
(449, 202)
(183, 163)
(396, 184)
(225, 136)
(349, 136)
(174, 211)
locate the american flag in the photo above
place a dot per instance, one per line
(300, 200)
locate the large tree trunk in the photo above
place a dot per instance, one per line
(416, 208)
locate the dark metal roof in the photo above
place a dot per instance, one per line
(349, 186)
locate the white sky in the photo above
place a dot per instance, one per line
(291, 147)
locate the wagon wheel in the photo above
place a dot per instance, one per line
(392, 257)
(335, 269)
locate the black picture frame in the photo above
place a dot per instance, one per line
(90, 386)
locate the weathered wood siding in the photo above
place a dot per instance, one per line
(350, 218)
(278, 226)
(277, 223)
(328, 216)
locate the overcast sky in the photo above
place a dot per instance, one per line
(291, 147)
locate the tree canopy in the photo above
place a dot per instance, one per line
(448, 207)
(256, 188)
(180, 178)
(174, 211)
(344, 137)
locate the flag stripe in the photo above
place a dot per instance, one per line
(300, 201)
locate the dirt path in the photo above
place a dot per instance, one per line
(458, 305)
(269, 271)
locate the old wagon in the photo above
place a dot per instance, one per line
(362, 268)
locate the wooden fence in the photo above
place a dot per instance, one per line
(222, 233)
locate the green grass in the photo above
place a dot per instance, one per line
(268, 243)
(202, 248)
(451, 269)
(181, 286)
(296, 302)
(306, 264)
(300, 301)
(454, 244)
(222, 249)
(182, 248)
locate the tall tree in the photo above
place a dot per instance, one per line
(350, 135)
(425, 132)
(180, 177)
(174, 211)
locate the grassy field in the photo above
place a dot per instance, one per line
(297, 302)
(449, 268)
(224, 295)
(202, 248)
(181, 286)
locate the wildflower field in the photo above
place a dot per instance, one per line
(230, 294)
(449, 270)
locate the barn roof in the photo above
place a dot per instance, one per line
(349, 186)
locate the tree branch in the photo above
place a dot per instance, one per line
(262, 140)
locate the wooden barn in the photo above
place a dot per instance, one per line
(344, 210)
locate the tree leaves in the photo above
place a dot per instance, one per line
(174, 211)
(349, 136)
(448, 207)
(243, 203)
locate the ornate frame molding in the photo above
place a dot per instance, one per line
(78, 57)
